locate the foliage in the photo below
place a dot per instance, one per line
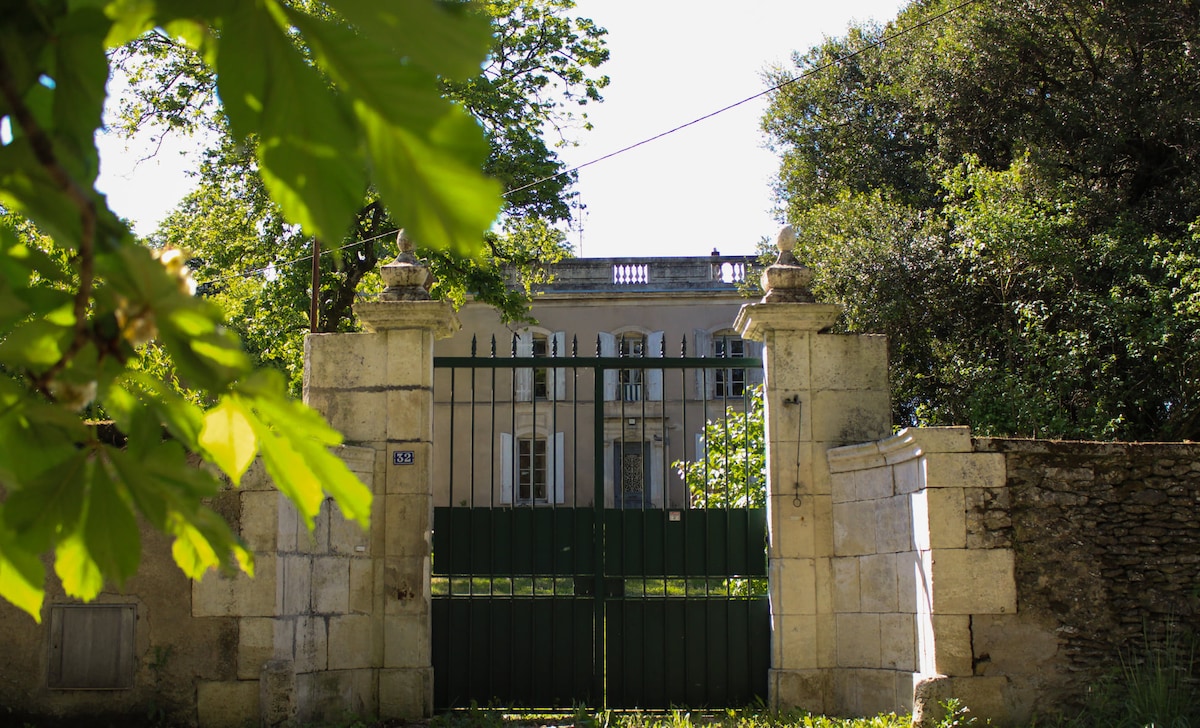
(1011, 194)
(334, 103)
(1154, 686)
(733, 471)
(258, 268)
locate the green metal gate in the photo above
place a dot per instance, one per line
(569, 568)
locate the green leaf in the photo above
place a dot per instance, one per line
(110, 530)
(441, 199)
(22, 574)
(228, 437)
(77, 570)
(36, 344)
(50, 507)
(444, 40)
(311, 161)
(311, 437)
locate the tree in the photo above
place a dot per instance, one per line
(733, 470)
(335, 101)
(257, 268)
(1009, 192)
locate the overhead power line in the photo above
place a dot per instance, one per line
(794, 79)
(810, 72)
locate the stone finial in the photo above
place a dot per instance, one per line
(405, 279)
(787, 281)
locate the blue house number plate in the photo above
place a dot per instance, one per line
(403, 457)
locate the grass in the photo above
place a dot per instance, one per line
(746, 718)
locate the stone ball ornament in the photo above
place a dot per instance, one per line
(787, 281)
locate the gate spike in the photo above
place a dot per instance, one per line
(597, 344)
(574, 345)
(683, 346)
(514, 346)
(474, 344)
(554, 346)
(493, 346)
(662, 348)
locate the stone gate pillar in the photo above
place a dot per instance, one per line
(821, 390)
(377, 389)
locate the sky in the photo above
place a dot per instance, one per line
(671, 62)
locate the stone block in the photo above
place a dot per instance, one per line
(406, 694)
(796, 641)
(415, 479)
(894, 524)
(964, 470)
(854, 528)
(845, 584)
(409, 415)
(277, 694)
(352, 643)
(787, 362)
(793, 586)
(331, 584)
(843, 487)
(406, 586)
(333, 697)
(361, 416)
(406, 641)
(315, 540)
(295, 584)
(1016, 645)
(849, 362)
(864, 692)
(909, 475)
(793, 530)
(947, 509)
(288, 526)
(909, 581)
(350, 361)
(237, 595)
(256, 646)
(974, 581)
(898, 642)
(260, 519)
(952, 653)
(858, 640)
(255, 478)
(878, 583)
(847, 417)
(410, 358)
(347, 537)
(361, 597)
(809, 690)
(227, 704)
(408, 520)
(986, 697)
(874, 483)
(312, 644)
(944, 439)
(787, 413)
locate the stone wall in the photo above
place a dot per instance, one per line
(908, 582)
(1107, 544)
(1011, 574)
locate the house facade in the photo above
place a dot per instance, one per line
(516, 434)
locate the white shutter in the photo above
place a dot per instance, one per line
(654, 377)
(557, 467)
(556, 383)
(507, 479)
(754, 374)
(523, 378)
(608, 348)
(706, 379)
